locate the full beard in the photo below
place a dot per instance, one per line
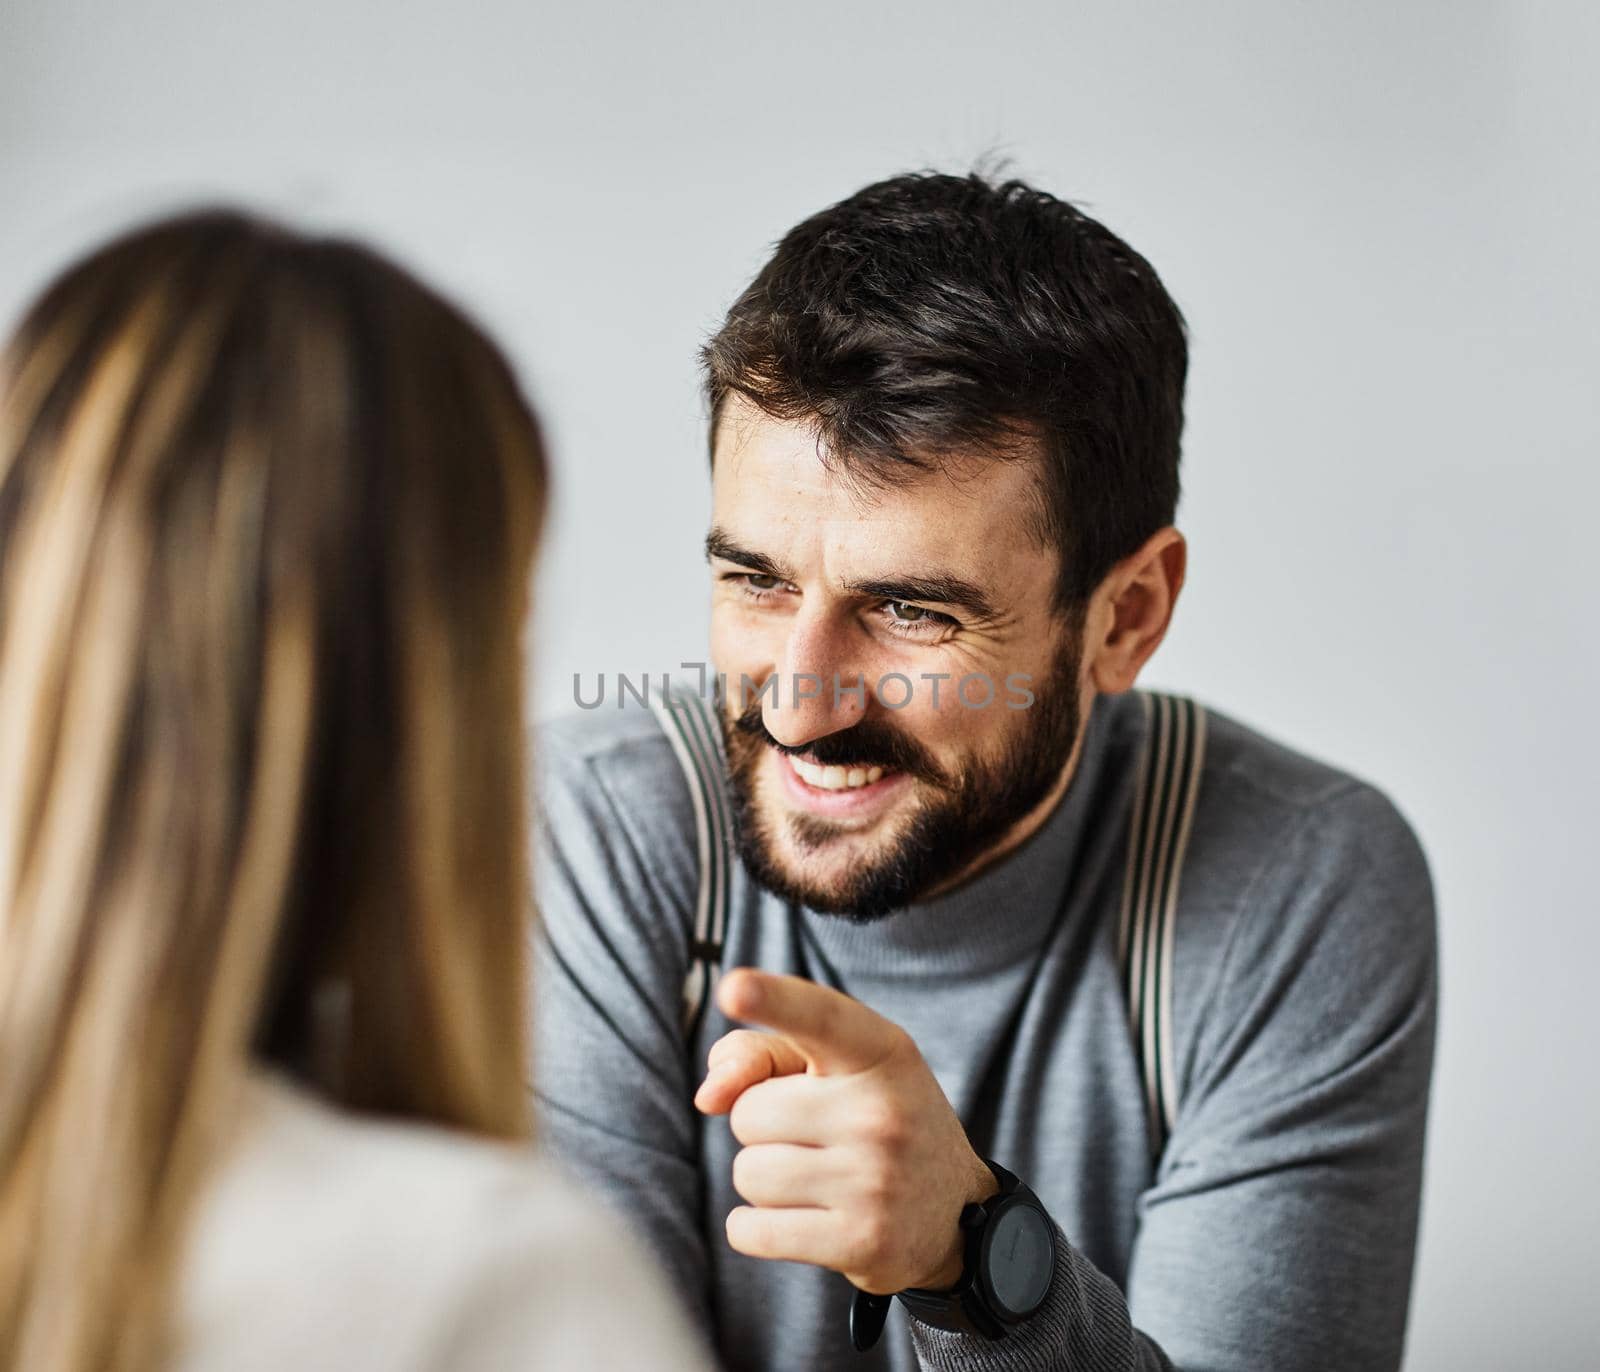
(958, 818)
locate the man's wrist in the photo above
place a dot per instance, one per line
(981, 1187)
(1009, 1265)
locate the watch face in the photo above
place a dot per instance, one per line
(1019, 1259)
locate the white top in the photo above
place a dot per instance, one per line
(333, 1241)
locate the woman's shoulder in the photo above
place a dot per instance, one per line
(328, 1238)
(291, 1138)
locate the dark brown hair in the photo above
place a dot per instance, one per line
(933, 314)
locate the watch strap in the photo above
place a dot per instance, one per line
(957, 1310)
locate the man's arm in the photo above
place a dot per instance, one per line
(854, 1160)
(611, 1071)
(1281, 1227)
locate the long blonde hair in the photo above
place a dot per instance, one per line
(267, 512)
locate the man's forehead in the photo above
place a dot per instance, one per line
(773, 474)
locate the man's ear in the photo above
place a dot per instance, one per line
(1130, 610)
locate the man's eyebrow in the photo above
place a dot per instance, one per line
(937, 587)
(720, 544)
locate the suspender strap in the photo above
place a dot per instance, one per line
(691, 728)
(1158, 836)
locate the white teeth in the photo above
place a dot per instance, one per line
(835, 778)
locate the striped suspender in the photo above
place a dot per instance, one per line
(692, 730)
(1158, 836)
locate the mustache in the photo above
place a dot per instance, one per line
(871, 743)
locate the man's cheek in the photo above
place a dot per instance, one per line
(938, 731)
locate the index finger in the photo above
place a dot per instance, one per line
(740, 1059)
(835, 1033)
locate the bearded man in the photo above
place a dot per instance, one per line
(1093, 1025)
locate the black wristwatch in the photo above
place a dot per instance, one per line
(1008, 1260)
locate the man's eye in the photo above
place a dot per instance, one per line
(758, 587)
(916, 621)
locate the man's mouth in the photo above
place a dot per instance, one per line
(836, 791)
(834, 777)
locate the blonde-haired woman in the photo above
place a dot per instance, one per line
(267, 512)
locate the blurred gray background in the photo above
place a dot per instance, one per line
(1380, 220)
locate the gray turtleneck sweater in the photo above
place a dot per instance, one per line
(1276, 1228)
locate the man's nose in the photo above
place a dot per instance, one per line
(822, 685)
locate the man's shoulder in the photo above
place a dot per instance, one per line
(623, 734)
(1305, 932)
(615, 755)
(1248, 764)
(1254, 791)
(613, 810)
(1264, 789)
(1297, 849)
